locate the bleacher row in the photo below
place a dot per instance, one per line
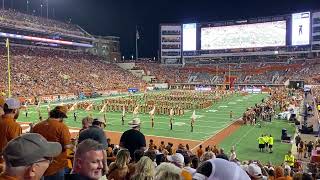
(38, 72)
(12, 18)
(245, 73)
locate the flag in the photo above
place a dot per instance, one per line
(137, 35)
(171, 112)
(73, 107)
(194, 115)
(89, 107)
(123, 111)
(136, 110)
(103, 108)
(152, 111)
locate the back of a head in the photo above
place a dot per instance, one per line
(122, 158)
(167, 171)
(144, 169)
(137, 155)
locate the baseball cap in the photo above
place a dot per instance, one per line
(177, 159)
(98, 120)
(13, 103)
(29, 148)
(254, 170)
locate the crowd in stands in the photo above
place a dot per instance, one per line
(45, 153)
(246, 73)
(37, 72)
(18, 19)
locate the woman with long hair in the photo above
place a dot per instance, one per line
(119, 170)
(144, 170)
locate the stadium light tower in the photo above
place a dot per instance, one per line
(41, 10)
(27, 6)
(47, 9)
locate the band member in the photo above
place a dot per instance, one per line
(122, 120)
(75, 116)
(171, 122)
(152, 122)
(192, 123)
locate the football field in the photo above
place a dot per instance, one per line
(209, 122)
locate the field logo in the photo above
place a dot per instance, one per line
(223, 106)
(179, 123)
(212, 110)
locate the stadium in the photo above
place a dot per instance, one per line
(216, 93)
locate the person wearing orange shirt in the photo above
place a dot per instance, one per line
(9, 128)
(54, 130)
(200, 151)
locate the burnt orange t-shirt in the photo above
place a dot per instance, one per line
(9, 129)
(55, 131)
(199, 152)
(6, 177)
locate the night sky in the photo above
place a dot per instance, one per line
(120, 17)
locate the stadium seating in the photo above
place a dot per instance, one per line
(37, 72)
(12, 18)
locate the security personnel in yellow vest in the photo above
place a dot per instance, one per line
(289, 159)
(270, 143)
(266, 141)
(261, 143)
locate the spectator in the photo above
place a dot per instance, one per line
(200, 151)
(28, 157)
(95, 132)
(215, 150)
(187, 164)
(222, 155)
(110, 156)
(119, 169)
(86, 123)
(144, 170)
(207, 156)
(255, 172)
(220, 169)
(233, 155)
(2, 102)
(133, 139)
(109, 143)
(89, 161)
(178, 160)
(167, 171)
(54, 130)
(194, 162)
(9, 128)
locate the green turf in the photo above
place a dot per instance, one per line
(208, 122)
(246, 144)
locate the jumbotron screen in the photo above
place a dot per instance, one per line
(244, 36)
(301, 28)
(189, 37)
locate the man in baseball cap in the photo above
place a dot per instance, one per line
(95, 132)
(9, 128)
(28, 156)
